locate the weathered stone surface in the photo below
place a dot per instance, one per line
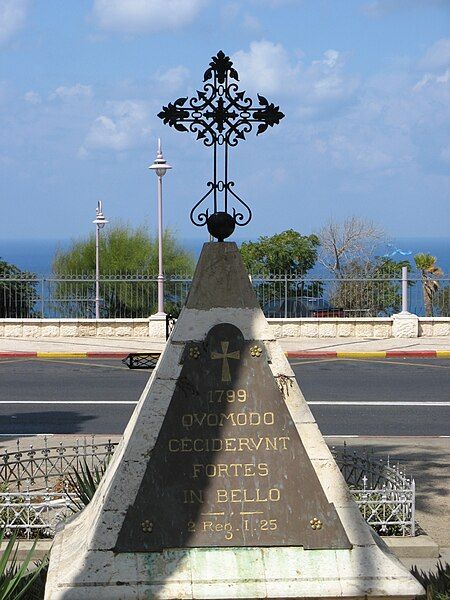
(68, 329)
(31, 330)
(309, 329)
(327, 329)
(425, 328)
(345, 328)
(84, 566)
(383, 329)
(13, 328)
(364, 329)
(224, 282)
(50, 330)
(405, 326)
(88, 329)
(441, 328)
(290, 329)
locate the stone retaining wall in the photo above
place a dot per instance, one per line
(367, 327)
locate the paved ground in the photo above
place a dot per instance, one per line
(393, 381)
(347, 396)
(428, 461)
(125, 345)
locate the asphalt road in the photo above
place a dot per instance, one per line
(393, 397)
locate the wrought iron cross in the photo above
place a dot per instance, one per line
(221, 115)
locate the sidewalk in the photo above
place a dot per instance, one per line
(97, 347)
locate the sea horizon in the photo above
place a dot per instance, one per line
(36, 255)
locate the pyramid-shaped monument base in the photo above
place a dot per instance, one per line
(222, 486)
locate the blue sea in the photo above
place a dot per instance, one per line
(37, 255)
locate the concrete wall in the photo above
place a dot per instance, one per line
(367, 327)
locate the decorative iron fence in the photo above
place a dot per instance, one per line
(34, 484)
(385, 496)
(284, 295)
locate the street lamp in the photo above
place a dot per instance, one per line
(160, 167)
(99, 223)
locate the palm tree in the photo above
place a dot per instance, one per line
(426, 264)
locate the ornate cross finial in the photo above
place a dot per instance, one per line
(220, 115)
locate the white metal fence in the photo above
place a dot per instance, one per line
(34, 483)
(285, 295)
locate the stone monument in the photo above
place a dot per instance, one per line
(222, 486)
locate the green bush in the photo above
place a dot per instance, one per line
(84, 483)
(17, 581)
(437, 584)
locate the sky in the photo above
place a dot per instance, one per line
(364, 85)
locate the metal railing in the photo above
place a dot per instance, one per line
(34, 482)
(384, 494)
(283, 295)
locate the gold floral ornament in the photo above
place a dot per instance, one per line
(255, 351)
(194, 352)
(315, 523)
(147, 526)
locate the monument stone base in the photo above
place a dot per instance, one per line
(121, 546)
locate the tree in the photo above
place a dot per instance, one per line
(342, 244)
(17, 292)
(426, 264)
(289, 254)
(281, 253)
(369, 288)
(128, 258)
(441, 302)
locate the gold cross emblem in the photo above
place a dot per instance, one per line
(226, 376)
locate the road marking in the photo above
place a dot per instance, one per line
(442, 353)
(83, 364)
(375, 403)
(311, 403)
(316, 360)
(11, 360)
(69, 402)
(341, 436)
(390, 361)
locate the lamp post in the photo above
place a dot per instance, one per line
(99, 223)
(160, 167)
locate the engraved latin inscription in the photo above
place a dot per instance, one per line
(228, 467)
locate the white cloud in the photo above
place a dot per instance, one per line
(430, 79)
(32, 97)
(74, 92)
(137, 16)
(437, 56)
(173, 79)
(266, 67)
(12, 18)
(389, 129)
(379, 8)
(320, 85)
(122, 127)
